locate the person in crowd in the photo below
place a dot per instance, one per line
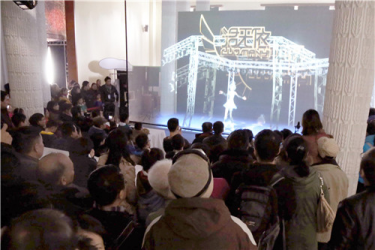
(261, 172)
(38, 120)
(124, 124)
(312, 131)
(93, 92)
(63, 96)
(99, 144)
(236, 158)
(119, 156)
(98, 104)
(250, 134)
(55, 91)
(98, 83)
(142, 144)
(28, 143)
(334, 178)
(301, 194)
(178, 143)
(69, 133)
(107, 187)
(286, 132)
(5, 101)
(48, 134)
(148, 200)
(354, 223)
(56, 172)
(174, 129)
(75, 94)
(85, 92)
(207, 132)
(19, 120)
(192, 219)
(81, 154)
(53, 111)
(99, 126)
(217, 138)
(41, 229)
(109, 94)
(79, 102)
(66, 112)
(369, 143)
(138, 129)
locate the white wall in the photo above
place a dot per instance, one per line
(100, 33)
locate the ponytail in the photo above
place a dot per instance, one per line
(296, 149)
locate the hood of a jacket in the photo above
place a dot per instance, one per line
(196, 218)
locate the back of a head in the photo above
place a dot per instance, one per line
(218, 127)
(124, 116)
(35, 118)
(99, 121)
(207, 127)
(238, 140)
(67, 129)
(52, 123)
(105, 184)
(311, 122)
(371, 112)
(151, 156)
(52, 167)
(25, 138)
(205, 148)
(371, 128)
(368, 166)
(138, 126)
(65, 107)
(286, 132)
(18, 118)
(83, 146)
(117, 144)
(41, 229)
(296, 151)
(50, 105)
(249, 134)
(141, 140)
(267, 145)
(178, 142)
(173, 124)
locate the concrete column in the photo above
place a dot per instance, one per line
(23, 47)
(203, 5)
(350, 82)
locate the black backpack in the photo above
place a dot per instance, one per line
(258, 209)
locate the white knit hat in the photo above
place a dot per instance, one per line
(158, 178)
(190, 175)
(327, 147)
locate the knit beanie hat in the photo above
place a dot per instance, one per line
(158, 178)
(327, 147)
(190, 175)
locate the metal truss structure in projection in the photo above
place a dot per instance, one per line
(288, 59)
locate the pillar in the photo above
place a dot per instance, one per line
(24, 39)
(350, 82)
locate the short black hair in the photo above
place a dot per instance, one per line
(105, 183)
(107, 78)
(52, 123)
(141, 140)
(138, 126)
(296, 154)
(24, 139)
(371, 128)
(124, 116)
(368, 166)
(206, 149)
(311, 122)
(249, 134)
(267, 145)
(82, 146)
(218, 127)
(85, 83)
(238, 139)
(286, 132)
(35, 118)
(18, 118)
(41, 229)
(50, 105)
(151, 156)
(3, 95)
(206, 127)
(67, 129)
(65, 106)
(178, 142)
(371, 112)
(172, 124)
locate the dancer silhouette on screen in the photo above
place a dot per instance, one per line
(230, 105)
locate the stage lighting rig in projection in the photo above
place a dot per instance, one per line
(242, 52)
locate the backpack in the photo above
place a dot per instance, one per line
(258, 209)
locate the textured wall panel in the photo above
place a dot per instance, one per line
(350, 82)
(25, 47)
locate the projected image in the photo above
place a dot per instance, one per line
(249, 69)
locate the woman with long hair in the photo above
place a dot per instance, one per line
(300, 194)
(119, 156)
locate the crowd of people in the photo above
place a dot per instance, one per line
(104, 187)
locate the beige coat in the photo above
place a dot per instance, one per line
(337, 183)
(128, 170)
